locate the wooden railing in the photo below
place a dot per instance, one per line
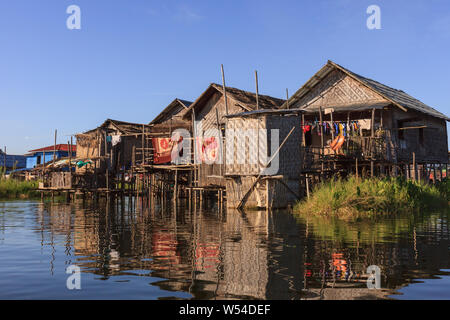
(362, 148)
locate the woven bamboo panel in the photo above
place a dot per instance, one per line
(339, 89)
(246, 150)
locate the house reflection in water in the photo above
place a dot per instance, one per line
(236, 255)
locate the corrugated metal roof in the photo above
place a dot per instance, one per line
(59, 147)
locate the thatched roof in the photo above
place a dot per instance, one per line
(264, 112)
(121, 126)
(173, 109)
(398, 98)
(247, 100)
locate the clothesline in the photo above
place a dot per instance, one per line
(338, 127)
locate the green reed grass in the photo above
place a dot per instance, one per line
(13, 188)
(354, 198)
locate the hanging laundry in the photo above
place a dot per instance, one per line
(115, 140)
(163, 150)
(325, 128)
(81, 164)
(340, 129)
(207, 149)
(364, 124)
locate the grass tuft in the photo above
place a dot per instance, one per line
(12, 188)
(356, 198)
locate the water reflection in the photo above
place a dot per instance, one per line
(217, 254)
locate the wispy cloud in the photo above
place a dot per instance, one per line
(184, 13)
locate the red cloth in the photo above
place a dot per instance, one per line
(207, 149)
(306, 128)
(163, 150)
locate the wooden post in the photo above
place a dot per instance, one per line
(347, 143)
(106, 163)
(4, 161)
(71, 148)
(321, 143)
(287, 98)
(307, 185)
(372, 136)
(54, 149)
(356, 167)
(414, 166)
(303, 131)
(43, 166)
(220, 142)
(143, 145)
(331, 119)
(175, 189)
(224, 91)
(257, 91)
(70, 156)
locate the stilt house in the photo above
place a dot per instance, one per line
(207, 114)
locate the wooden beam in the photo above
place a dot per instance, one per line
(224, 90)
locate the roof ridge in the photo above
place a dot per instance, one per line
(247, 92)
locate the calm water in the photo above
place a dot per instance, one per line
(155, 254)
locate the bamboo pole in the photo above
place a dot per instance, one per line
(142, 143)
(372, 136)
(70, 156)
(287, 98)
(257, 91)
(224, 90)
(71, 148)
(54, 149)
(175, 189)
(106, 163)
(307, 185)
(303, 131)
(220, 141)
(4, 161)
(321, 143)
(43, 166)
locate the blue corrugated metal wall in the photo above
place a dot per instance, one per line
(32, 160)
(12, 161)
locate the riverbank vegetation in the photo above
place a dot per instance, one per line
(13, 188)
(358, 198)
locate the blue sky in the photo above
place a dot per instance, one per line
(132, 58)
